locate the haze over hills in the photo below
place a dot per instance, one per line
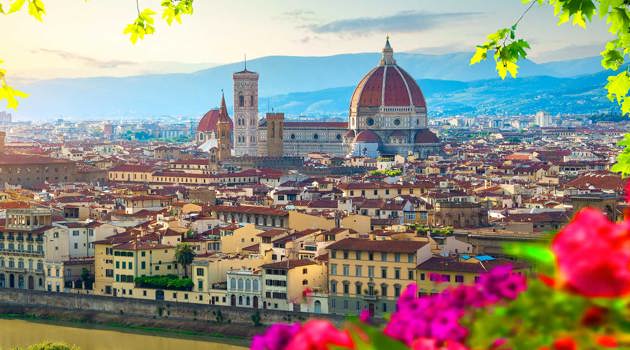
(320, 86)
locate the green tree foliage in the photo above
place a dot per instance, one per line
(49, 346)
(184, 254)
(171, 282)
(387, 172)
(508, 49)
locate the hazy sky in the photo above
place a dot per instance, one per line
(81, 38)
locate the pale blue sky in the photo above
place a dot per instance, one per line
(85, 38)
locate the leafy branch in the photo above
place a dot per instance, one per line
(172, 10)
(616, 13)
(507, 49)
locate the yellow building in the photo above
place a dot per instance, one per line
(287, 284)
(138, 258)
(371, 274)
(233, 242)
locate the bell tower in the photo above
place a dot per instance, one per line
(245, 112)
(224, 135)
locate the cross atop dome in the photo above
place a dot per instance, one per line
(388, 54)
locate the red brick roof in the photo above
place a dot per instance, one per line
(389, 246)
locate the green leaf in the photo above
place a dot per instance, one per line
(534, 252)
(481, 53)
(376, 339)
(36, 9)
(16, 5)
(11, 95)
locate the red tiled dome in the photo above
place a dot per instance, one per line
(209, 121)
(387, 85)
(367, 136)
(426, 136)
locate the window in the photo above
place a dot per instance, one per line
(346, 288)
(333, 286)
(345, 254)
(422, 277)
(370, 271)
(397, 290)
(346, 270)
(305, 282)
(370, 256)
(383, 272)
(459, 278)
(357, 255)
(383, 290)
(333, 269)
(383, 256)
(397, 274)
(241, 101)
(410, 258)
(397, 257)
(200, 271)
(410, 275)
(357, 289)
(333, 254)
(369, 121)
(358, 270)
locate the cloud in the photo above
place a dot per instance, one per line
(299, 15)
(88, 61)
(402, 22)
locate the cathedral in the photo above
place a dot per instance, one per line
(387, 116)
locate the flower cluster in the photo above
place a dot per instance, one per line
(312, 335)
(593, 255)
(437, 317)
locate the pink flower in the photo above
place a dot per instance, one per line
(432, 344)
(593, 255)
(320, 335)
(276, 337)
(365, 316)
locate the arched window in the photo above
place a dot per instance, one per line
(240, 284)
(241, 101)
(248, 285)
(240, 300)
(255, 285)
(233, 283)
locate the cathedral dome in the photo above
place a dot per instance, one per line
(387, 85)
(367, 136)
(426, 136)
(209, 121)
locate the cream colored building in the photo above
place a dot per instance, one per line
(371, 274)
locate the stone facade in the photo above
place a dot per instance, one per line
(245, 113)
(275, 136)
(22, 248)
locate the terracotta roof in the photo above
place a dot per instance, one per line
(454, 264)
(367, 136)
(387, 85)
(603, 180)
(289, 264)
(249, 209)
(426, 136)
(390, 246)
(318, 125)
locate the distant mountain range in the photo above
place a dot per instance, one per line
(321, 86)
